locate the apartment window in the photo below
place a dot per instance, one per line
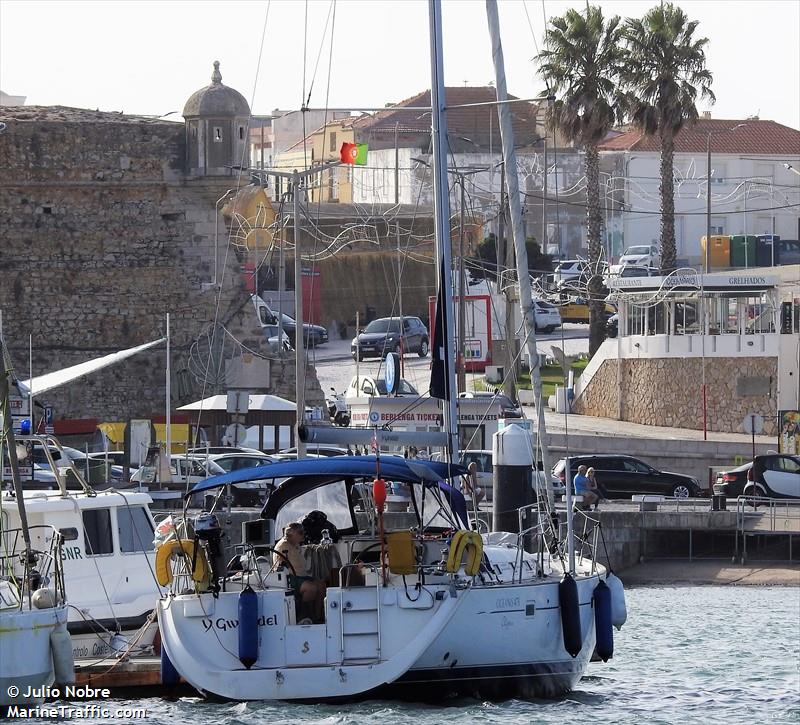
(718, 173)
(333, 185)
(97, 532)
(332, 146)
(717, 225)
(217, 134)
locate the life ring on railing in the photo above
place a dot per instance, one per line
(469, 543)
(180, 547)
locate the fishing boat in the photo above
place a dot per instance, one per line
(108, 558)
(34, 645)
(422, 607)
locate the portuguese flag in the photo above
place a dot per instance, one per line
(354, 153)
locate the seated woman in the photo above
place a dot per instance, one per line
(310, 591)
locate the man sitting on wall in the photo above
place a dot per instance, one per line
(582, 487)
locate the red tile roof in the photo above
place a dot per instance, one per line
(755, 137)
(477, 123)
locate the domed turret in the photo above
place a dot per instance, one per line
(216, 129)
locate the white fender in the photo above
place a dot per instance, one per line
(619, 612)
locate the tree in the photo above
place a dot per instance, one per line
(664, 70)
(484, 264)
(580, 64)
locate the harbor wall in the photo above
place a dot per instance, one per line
(668, 392)
(102, 234)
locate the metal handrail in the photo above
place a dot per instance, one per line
(48, 564)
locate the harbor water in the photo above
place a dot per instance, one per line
(706, 654)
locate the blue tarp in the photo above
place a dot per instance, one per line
(392, 467)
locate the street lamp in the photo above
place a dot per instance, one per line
(709, 134)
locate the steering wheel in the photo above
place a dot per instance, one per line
(357, 557)
(285, 560)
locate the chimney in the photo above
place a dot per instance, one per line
(706, 115)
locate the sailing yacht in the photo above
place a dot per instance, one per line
(34, 645)
(425, 610)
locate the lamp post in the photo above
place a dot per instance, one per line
(709, 134)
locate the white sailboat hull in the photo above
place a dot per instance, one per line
(371, 637)
(506, 641)
(26, 661)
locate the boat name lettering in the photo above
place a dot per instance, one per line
(507, 602)
(73, 552)
(223, 625)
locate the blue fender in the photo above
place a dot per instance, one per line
(602, 622)
(570, 615)
(248, 627)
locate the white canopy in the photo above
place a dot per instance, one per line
(257, 402)
(43, 383)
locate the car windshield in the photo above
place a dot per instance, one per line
(404, 388)
(637, 250)
(384, 325)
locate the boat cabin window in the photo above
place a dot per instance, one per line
(331, 499)
(97, 532)
(134, 528)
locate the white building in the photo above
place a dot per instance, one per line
(752, 190)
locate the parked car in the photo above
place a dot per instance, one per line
(641, 255)
(199, 450)
(546, 316)
(364, 386)
(316, 449)
(268, 319)
(731, 483)
(568, 270)
(790, 251)
(632, 270)
(508, 408)
(623, 476)
(577, 310)
(251, 493)
(189, 469)
(384, 335)
(776, 475)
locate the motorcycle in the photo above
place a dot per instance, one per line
(337, 408)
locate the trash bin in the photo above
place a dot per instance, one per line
(718, 502)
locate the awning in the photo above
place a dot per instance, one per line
(257, 402)
(44, 383)
(391, 467)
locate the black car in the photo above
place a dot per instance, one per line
(313, 335)
(384, 335)
(731, 483)
(623, 476)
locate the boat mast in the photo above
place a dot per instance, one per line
(515, 209)
(441, 207)
(8, 438)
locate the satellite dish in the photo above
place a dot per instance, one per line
(235, 435)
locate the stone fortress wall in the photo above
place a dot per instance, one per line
(102, 233)
(668, 392)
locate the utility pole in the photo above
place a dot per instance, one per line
(462, 317)
(299, 332)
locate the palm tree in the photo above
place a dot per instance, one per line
(580, 64)
(665, 69)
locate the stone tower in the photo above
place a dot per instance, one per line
(216, 129)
